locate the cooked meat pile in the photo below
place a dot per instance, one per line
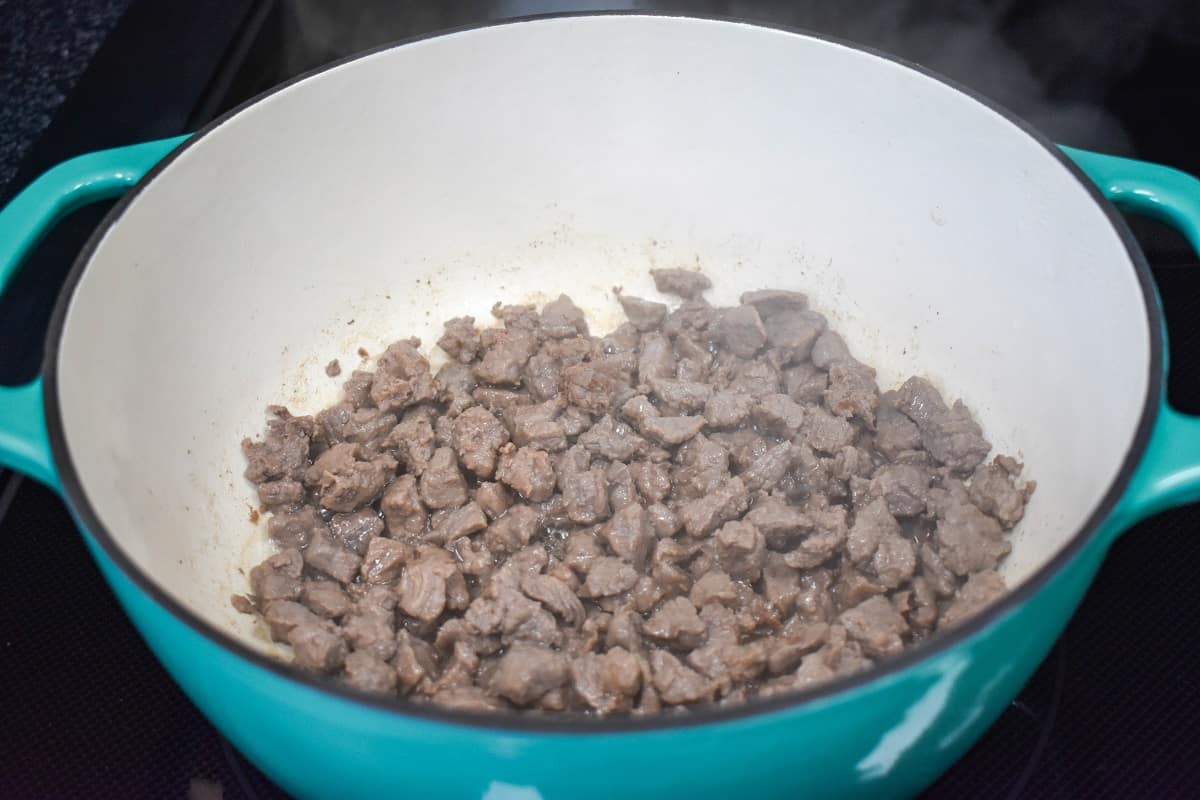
(704, 505)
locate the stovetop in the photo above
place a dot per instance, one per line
(87, 711)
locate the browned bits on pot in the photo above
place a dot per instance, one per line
(703, 505)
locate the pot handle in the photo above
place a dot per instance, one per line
(89, 178)
(1169, 473)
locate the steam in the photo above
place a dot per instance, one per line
(1051, 63)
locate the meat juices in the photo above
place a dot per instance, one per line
(704, 505)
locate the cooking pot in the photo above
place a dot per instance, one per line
(375, 198)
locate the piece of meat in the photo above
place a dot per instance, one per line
(656, 359)
(871, 524)
(315, 647)
(894, 561)
(993, 492)
(367, 673)
(415, 662)
(294, 529)
(607, 683)
(283, 615)
(348, 477)
(701, 516)
(805, 384)
(779, 522)
(356, 529)
(852, 391)
(683, 283)
(413, 441)
(829, 349)
(828, 536)
(496, 400)
(904, 487)
(525, 673)
(493, 498)
(477, 437)
(895, 433)
(458, 523)
(741, 331)
(403, 511)
(780, 583)
(460, 339)
(671, 431)
(703, 466)
(779, 414)
(592, 386)
(629, 535)
(357, 388)
(645, 315)
(383, 560)
(425, 585)
(371, 630)
(713, 586)
(326, 554)
(556, 596)
(876, 625)
(770, 302)
(980, 590)
(536, 426)
(402, 377)
(504, 356)
(741, 550)
(366, 426)
(950, 434)
(677, 623)
(325, 599)
(512, 530)
(653, 481)
(442, 484)
(793, 333)
(727, 409)
(968, 540)
(676, 683)
(455, 386)
(586, 495)
(612, 439)
(274, 494)
(682, 396)
(766, 471)
(562, 319)
(608, 576)
(278, 577)
(283, 452)
(824, 432)
(529, 472)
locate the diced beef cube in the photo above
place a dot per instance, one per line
(325, 598)
(741, 331)
(876, 625)
(461, 339)
(607, 683)
(852, 391)
(894, 433)
(770, 302)
(402, 508)
(556, 596)
(979, 591)
(367, 673)
(442, 484)
(562, 319)
(683, 283)
(871, 524)
(793, 333)
(681, 395)
(593, 386)
(425, 585)
(283, 452)
(766, 471)
(607, 576)
(677, 623)
(414, 442)
(677, 683)
(992, 491)
(968, 540)
(327, 555)
(477, 437)
(526, 672)
(586, 495)
(703, 515)
(512, 530)
(493, 498)
(283, 615)
(780, 523)
(536, 426)
(294, 529)
(357, 388)
(455, 384)
(645, 315)
(349, 477)
(656, 360)
(824, 432)
(355, 530)
(402, 378)
(278, 577)
(612, 439)
(628, 534)
(805, 384)
(504, 356)
(315, 647)
(903, 487)
(949, 433)
(829, 349)
(384, 559)
(458, 523)
(671, 431)
(371, 630)
(741, 550)
(529, 472)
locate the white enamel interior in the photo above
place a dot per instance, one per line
(379, 198)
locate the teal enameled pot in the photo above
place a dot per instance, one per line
(380, 196)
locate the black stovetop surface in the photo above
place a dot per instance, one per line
(87, 711)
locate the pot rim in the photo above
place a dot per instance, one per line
(577, 723)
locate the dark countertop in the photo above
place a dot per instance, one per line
(45, 45)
